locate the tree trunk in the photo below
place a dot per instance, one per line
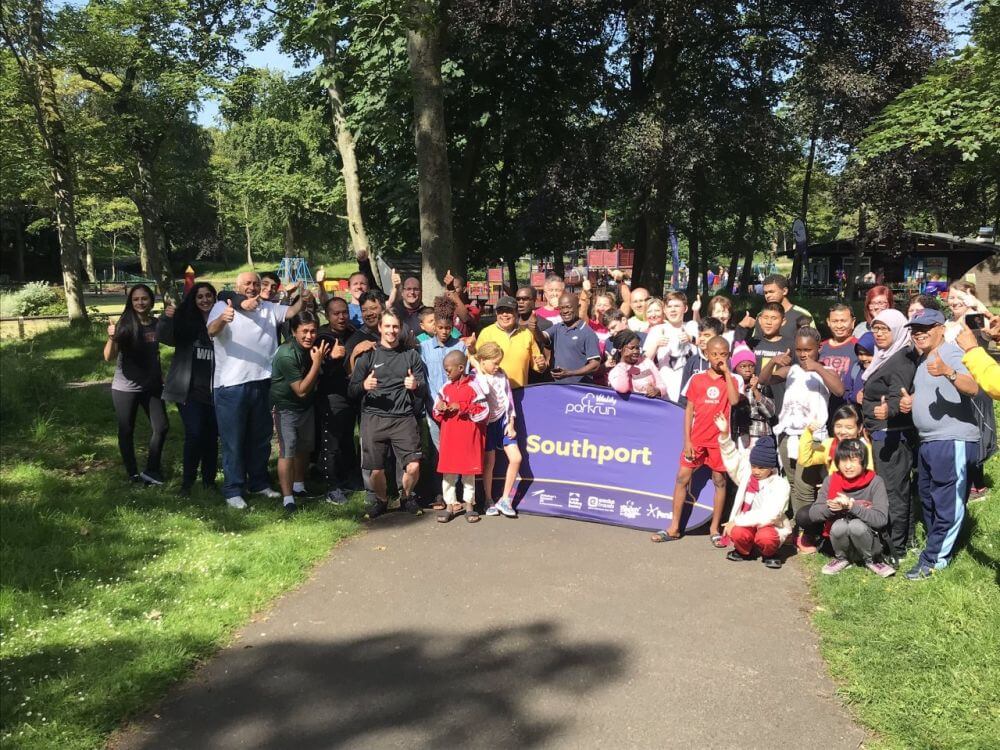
(806, 184)
(859, 250)
(38, 76)
(512, 273)
(656, 257)
(18, 241)
(246, 226)
(114, 250)
(424, 44)
(153, 243)
(739, 242)
(348, 158)
(91, 274)
(288, 243)
(694, 260)
(641, 235)
(558, 262)
(746, 278)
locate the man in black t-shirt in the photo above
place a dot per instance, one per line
(335, 459)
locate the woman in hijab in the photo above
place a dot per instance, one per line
(893, 439)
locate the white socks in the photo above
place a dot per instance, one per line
(298, 487)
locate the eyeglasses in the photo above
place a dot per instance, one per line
(880, 329)
(524, 299)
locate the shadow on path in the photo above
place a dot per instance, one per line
(403, 688)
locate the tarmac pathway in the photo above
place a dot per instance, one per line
(538, 632)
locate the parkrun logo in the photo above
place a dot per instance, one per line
(591, 403)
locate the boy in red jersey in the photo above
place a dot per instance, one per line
(710, 393)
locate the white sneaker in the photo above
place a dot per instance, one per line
(492, 511)
(336, 496)
(269, 493)
(236, 502)
(505, 506)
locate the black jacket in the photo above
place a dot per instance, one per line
(182, 336)
(390, 398)
(894, 374)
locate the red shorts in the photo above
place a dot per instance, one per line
(710, 456)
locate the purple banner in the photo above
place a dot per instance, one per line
(594, 455)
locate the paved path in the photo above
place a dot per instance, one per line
(516, 634)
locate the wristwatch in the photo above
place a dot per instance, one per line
(952, 376)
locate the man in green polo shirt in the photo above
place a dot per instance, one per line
(295, 371)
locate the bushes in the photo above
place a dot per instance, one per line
(35, 298)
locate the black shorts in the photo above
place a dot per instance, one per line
(380, 434)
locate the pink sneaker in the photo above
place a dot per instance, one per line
(836, 565)
(881, 569)
(805, 544)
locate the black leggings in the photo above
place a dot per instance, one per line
(126, 406)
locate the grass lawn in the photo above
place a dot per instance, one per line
(111, 592)
(919, 663)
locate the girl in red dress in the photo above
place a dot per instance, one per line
(461, 410)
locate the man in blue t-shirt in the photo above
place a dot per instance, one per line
(576, 354)
(945, 417)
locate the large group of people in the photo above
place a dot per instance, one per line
(839, 443)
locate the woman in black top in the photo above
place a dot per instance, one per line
(891, 431)
(138, 381)
(189, 382)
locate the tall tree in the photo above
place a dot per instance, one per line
(23, 29)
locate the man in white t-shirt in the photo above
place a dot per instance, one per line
(245, 340)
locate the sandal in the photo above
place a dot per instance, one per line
(718, 541)
(471, 515)
(447, 516)
(439, 504)
(663, 536)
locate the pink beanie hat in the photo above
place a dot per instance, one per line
(742, 353)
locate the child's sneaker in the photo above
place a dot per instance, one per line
(735, 556)
(919, 572)
(492, 511)
(836, 565)
(505, 506)
(881, 569)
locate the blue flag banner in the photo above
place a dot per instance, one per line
(591, 454)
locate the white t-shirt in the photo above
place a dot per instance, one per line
(245, 347)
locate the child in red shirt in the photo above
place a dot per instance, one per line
(710, 393)
(461, 410)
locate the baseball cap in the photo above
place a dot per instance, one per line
(506, 302)
(927, 317)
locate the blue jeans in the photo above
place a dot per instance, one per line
(244, 415)
(201, 442)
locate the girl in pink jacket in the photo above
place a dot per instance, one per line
(634, 373)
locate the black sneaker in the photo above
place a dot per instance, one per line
(411, 505)
(735, 556)
(375, 509)
(919, 572)
(151, 477)
(301, 494)
(290, 508)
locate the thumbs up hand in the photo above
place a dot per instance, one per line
(169, 310)
(937, 367)
(229, 313)
(696, 305)
(410, 382)
(882, 410)
(905, 402)
(371, 382)
(448, 279)
(397, 280)
(783, 360)
(338, 351)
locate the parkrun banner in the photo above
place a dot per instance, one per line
(592, 454)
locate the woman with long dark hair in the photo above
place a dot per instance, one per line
(138, 381)
(189, 382)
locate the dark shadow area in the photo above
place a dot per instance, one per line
(419, 688)
(980, 555)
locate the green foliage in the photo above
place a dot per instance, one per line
(110, 593)
(36, 298)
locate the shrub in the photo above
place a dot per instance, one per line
(37, 298)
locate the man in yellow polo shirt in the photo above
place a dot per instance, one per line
(520, 350)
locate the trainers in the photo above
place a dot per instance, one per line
(290, 507)
(268, 493)
(505, 506)
(836, 565)
(336, 496)
(393, 504)
(492, 511)
(411, 505)
(881, 569)
(236, 502)
(919, 572)
(806, 545)
(735, 556)
(151, 477)
(376, 509)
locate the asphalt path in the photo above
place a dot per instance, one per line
(535, 632)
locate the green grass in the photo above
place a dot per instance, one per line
(108, 592)
(919, 663)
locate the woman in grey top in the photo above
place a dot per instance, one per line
(138, 381)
